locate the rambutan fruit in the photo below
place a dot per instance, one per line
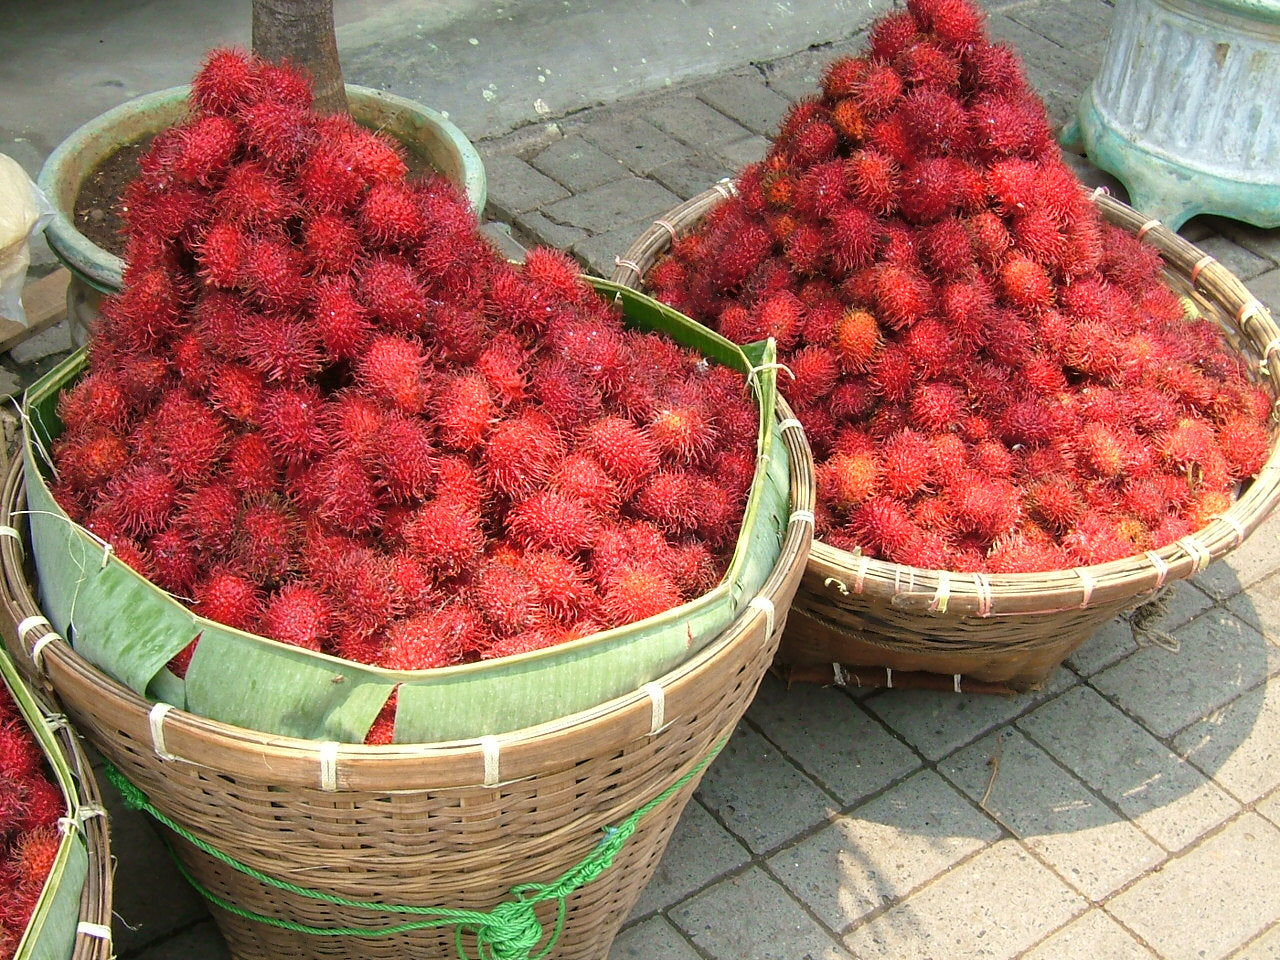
(988, 506)
(149, 307)
(395, 370)
(286, 83)
(342, 322)
(90, 458)
(1014, 185)
(253, 197)
(892, 34)
(806, 248)
(552, 520)
(45, 805)
(857, 340)
(927, 64)
(228, 598)
(207, 147)
(330, 242)
(682, 432)
(374, 156)
(403, 459)
(669, 499)
(873, 179)
(637, 593)
(34, 854)
(936, 406)
(174, 561)
(932, 349)
(840, 77)
(890, 374)
(1025, 283)
(207, 514)
(19, 756)
(849, 121)
(881, 526)
(343, 493)
(141, 500)
(890, 137)
(504, 364)
(557, 273)
(581, 478)
(902, 296)
(1245, 443)
(877, 91)
(227, 79)
(266, 539)
(327, 180)
(626, 452)
(274, 273)
(938, 121)
(815, 372)
(955, 22)
(1191, 440)
(852, 237)
(849, 479)
(1009, 126)
(1017, 553)
(522, 454)
(906, 464)
(564, 590)
(1095, 539)
(993, 67)
(283, 349)
(298, 614)
(292, 424)
(282, 134)
(251, 467)
(389, 215)
(947, 247)
(429, 640)
(221, 253)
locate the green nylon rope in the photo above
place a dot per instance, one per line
(510, 931)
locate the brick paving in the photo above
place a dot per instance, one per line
(1131, 809)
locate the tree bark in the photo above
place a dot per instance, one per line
(301, 31)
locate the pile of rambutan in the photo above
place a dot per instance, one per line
(992, 377)
(30, 806)
(325, 410)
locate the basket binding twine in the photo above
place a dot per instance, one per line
(510, 931)
(866, 622)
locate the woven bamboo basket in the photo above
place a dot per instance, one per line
(452, 825)
(859, 621)
(73, 916)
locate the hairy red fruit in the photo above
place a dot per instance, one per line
(955, 22)
(1025, 283)
(522, 454)
(564, 589)
(892, 34)
(506, 598)
(228, 598)
(625, 451)
(430, 640)
(403, 459)
(298, 614)
(389, 215)
(902, 296)
(552, 520)
(637, 593)
(849, 479)
(330, 242)
(291, 423)
(394, 370)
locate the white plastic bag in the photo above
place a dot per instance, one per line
(23, 211)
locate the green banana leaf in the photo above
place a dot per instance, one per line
(51, 932)
(130, 629)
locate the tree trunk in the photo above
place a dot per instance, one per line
(301, 31)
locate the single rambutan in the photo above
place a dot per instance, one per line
(849, 479)
(207, 147)
(881, 526)
(227, 79)
(890, 374)
(852, 237)
(267, 536)
(228, 598)
(392, 292)
(175, 563)
(298, 614)
(141, 500)
(877, 91)
(890, 137)
(429, 640)
(815, 372)
(955, 22)
(1096, 539)
(552, 520)
(936, 406)
(33, 857)
(389, 215)
(206, 515)
(857, 341)
(221, 252)
(1009, 126)
(892, 34)
(625, 451)
(927, 64)
(947, 247)
(292, 423)
(522, 454)
(252, 469)
(1025, 283)
(637, 593)
(506, 598)
(1246, 444)
(564, 589)
(873, 179)
(330, 242)
(283, 349)
(937, 121)
(253, 197)
(504, 364)
(806, 248)
(669, 499)
(993, 67)
(902, 296)
(395, 370)
(402, 459)
(906, 464)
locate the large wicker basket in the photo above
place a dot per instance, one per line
(868, 622)
(73, 916)
(445, 825)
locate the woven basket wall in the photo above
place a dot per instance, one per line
(857, 620)
(453, 824)
(87, 934)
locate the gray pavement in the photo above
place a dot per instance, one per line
(1130, 809)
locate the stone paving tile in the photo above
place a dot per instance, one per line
(1096, 936)
(938, 723)
(598, 253)
(1265, 243)
(610, 205)
(994, 906)
(759, 795)
(1239, 744)
(883, 850)
(744, 97)
(10, 383)
(1256, 559)
(1112, 642)
(1219, 656)
(693, 122)
(540, 229)
(1266, 288)
(39, 346)
(1091, 846)
(1260, 606)
(1265, 947)
(1211, 901)
(1244, 263)
(635, 142)
(739, 153)
(831, 738)
(1153, 787)
(515, 187)
(654, 939)
(699, 851)
(690, 176)
(1179, 603)
(1069, 25)
(1270, 807)
(199, 942)
(751, 915)
(577, 164)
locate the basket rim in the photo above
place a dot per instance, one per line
(1048, 592)
(178, 735)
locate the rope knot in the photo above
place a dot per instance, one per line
(511, 931)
